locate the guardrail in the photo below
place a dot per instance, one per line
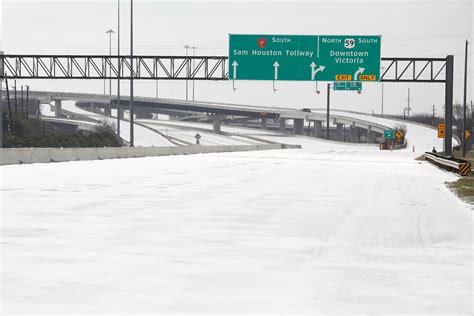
(459, 166)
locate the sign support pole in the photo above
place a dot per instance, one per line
(327, 112)
(448, 114)
(464, 127)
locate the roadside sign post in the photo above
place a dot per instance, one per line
(197, 137)
(304, 57)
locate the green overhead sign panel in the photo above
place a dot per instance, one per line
(304, 57)
(347, 85)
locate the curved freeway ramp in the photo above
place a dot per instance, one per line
(143, 136)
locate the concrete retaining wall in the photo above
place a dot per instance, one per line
(11, 156)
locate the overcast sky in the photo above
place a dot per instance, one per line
(408, 29)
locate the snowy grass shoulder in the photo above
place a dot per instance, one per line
(33, 132)
(464, 188)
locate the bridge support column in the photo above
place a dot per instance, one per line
(354, 138)
(339, 132)
(57, 108)
(108, 109)
(318, 129)
(143, 113)
(245, 123)
(282, 125)
(298, 126)
(369, 134)
(263, 122)
(217, 122)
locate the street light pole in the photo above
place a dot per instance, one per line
(131, 73)
(110, 32)
(118, 70)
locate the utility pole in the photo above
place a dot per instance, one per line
(327, 111)
(187, 47)
(119, 70)
(131, 73)
(464, 140)
(194, 49)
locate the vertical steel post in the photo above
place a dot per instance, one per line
(382, 98)
(110, 55)
(448, 111)
(464, 140)
(118, 70)
(131, 73)
(38, 110)
(327, 112)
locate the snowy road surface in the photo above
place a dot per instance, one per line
(330, 228)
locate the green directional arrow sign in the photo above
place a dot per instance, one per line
(304, 57)
(389, 134)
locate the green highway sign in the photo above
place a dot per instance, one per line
(304, 57)
(339, 85)
(389, 134)
(347, 85)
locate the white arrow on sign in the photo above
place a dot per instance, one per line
(235, 68)
(360, 71)
(315, 70)
(275, 66)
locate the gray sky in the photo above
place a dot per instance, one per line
(408, 29)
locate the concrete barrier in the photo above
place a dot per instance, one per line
(12, 156)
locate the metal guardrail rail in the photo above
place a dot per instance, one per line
(459, 166)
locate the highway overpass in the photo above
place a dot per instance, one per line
(218, 112)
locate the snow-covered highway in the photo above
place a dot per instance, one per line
(331, 228)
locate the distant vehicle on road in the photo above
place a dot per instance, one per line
(306, 110)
